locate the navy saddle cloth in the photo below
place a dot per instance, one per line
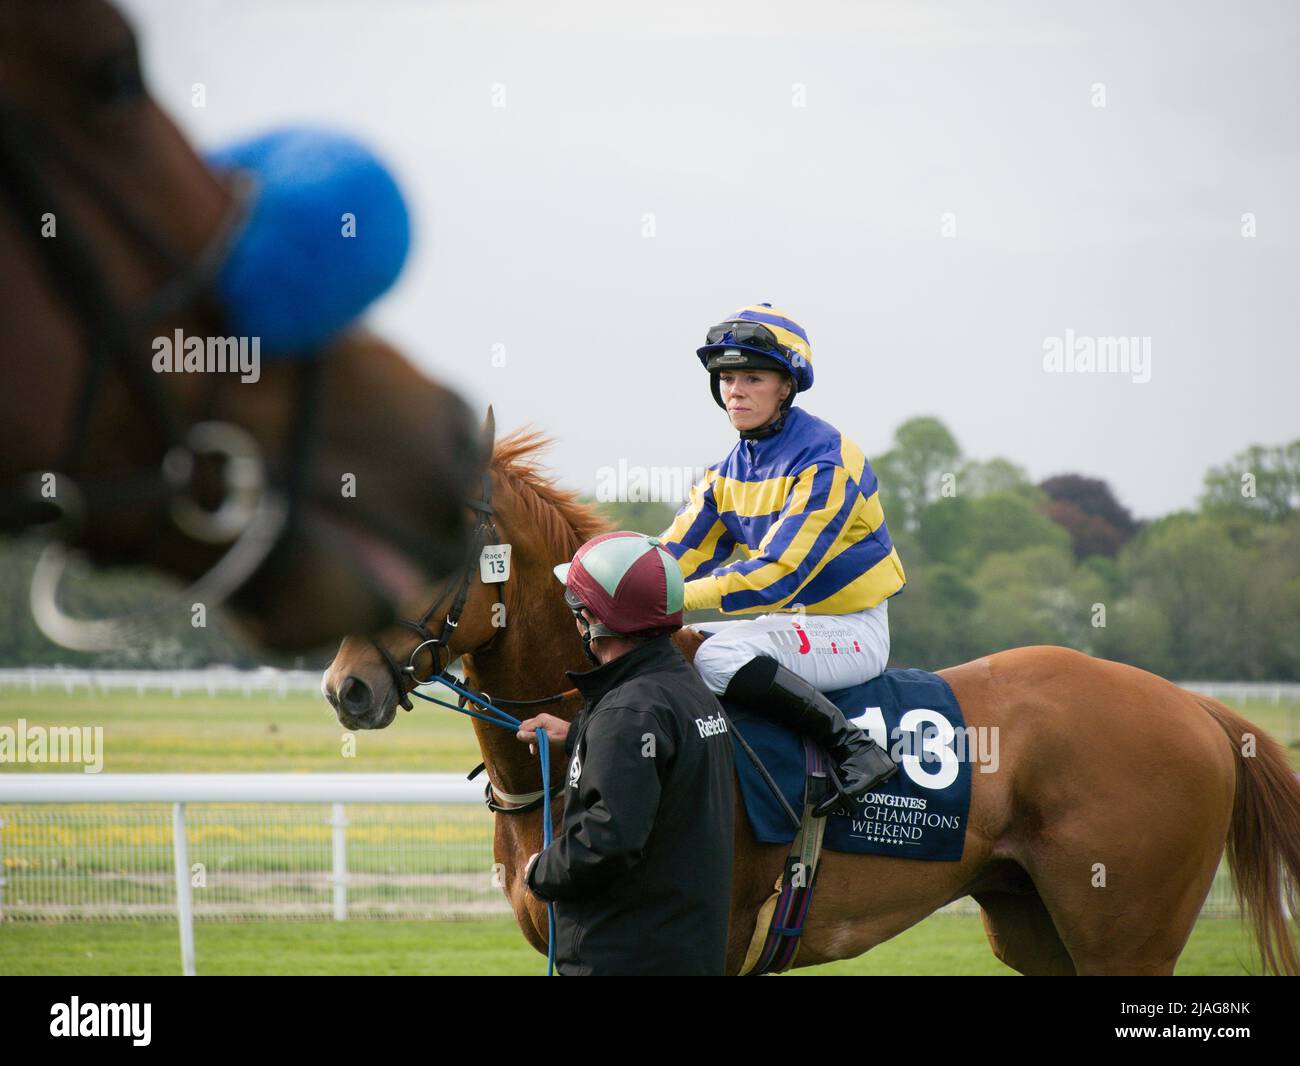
(920, 813)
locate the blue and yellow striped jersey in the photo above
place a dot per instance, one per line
(804, 506)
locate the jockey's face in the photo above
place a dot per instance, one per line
(753, 397)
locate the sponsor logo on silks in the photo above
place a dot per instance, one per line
(711, 726)
(798, 639)
(102, 1019)
(575, 770)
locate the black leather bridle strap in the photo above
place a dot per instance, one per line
(78, 279)
(111, 333)
(405, 678)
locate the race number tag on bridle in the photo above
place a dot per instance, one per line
(494, 563)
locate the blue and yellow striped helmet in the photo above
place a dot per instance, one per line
(758, 337)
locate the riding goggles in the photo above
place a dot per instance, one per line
(747, 334)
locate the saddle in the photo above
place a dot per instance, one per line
(919, 814)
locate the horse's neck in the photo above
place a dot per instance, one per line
(528, 662)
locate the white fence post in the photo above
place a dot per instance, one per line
(339, 821)
(33, 890)
(184, 901)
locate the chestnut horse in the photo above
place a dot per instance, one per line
(1090, 850)
(140, 220)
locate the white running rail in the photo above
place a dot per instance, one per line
(45, 820)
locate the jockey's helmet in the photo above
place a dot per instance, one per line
(758, 337)
(628, 583)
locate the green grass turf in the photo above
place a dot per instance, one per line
(231, 733)
(942, 944)
(161, 733)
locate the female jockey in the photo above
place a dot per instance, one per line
(801, 502)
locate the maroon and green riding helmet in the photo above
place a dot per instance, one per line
(627, 582)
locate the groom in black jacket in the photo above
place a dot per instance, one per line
(641, 870)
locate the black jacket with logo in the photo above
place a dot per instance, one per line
(641, 870)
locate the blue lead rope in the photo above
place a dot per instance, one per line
(507, 721)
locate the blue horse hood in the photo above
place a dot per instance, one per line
(328, 232)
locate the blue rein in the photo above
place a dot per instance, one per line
(507, 721)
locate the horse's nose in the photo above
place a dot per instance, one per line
(355, 697)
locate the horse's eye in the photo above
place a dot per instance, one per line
(117, 79)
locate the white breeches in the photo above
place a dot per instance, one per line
(830, 651)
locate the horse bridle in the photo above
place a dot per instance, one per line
(253, 517)
(257, 516)
(485, 532)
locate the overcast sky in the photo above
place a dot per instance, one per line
(828, 201)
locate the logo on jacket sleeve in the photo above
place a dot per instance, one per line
(575, 770)
(711, 726)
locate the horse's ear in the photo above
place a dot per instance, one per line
(488, 434)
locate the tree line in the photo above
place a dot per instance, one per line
(993, 561)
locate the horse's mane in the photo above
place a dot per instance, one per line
(564, 521)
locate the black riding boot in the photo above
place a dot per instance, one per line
(787, 699)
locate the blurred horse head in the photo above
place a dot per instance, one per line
(514, 632)
(312, 496)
